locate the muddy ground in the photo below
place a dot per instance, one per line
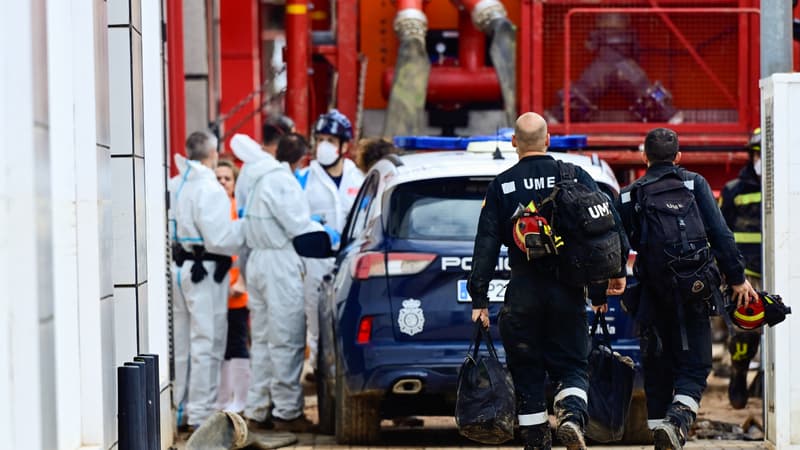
(717, 422)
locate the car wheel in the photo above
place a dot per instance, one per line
(357, 419)
(636, 431)
(325, 401)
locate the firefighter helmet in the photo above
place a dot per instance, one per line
(768, 308)
(532, 232)
(750, 316)
(336, 124)
(755, 141)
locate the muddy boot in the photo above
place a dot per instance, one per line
(300, 424)
(570, 435)
(667, 436)
(537, 437)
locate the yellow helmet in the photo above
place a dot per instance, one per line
(755, 141)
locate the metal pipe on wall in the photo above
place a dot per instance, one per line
(776, 37)
(471, 43)
(175, 81)
(297, 60)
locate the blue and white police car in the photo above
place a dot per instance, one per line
(395, 313)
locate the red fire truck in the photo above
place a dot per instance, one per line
(611, 70)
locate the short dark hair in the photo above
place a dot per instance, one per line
(661, 145)
(276, 127)
(372, 150)
(291, 148)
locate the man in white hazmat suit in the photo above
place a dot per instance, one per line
(276, 212)
(331, 182)
(206, 237)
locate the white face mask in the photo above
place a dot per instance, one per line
(327, 153)
(757, 167)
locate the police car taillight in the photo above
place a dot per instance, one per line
(364, 330)
(373, 264)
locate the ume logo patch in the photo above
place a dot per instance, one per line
(598, 211)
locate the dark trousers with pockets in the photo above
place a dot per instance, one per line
(673, 377)
(544, 330)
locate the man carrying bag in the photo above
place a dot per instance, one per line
(543, 320)
(683, 244)
(485, 399)
(610, 386)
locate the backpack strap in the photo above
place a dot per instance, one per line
(689, 184)
(566, 170)
(636, 194)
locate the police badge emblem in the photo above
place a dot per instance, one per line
(411, 318)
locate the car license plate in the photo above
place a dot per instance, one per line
(497, 291)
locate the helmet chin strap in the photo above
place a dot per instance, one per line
(328, 166)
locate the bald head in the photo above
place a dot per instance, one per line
(530, 134)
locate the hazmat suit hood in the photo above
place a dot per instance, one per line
(180, 163)
(251, 154)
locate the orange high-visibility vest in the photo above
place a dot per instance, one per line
(240, 301)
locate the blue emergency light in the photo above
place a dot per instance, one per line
(557, 143)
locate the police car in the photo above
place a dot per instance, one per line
(395, 313)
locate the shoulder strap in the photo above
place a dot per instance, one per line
(566, 170)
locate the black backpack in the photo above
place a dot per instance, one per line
(673, 249)
(588, 247)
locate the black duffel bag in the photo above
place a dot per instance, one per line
(485, 409)
(610, 387)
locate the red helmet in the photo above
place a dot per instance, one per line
(532, 232)
(750, 316)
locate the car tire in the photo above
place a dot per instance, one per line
(326, 403)
(636, 431)
(357, 416)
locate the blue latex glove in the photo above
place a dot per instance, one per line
(317, 218)
(333, 234)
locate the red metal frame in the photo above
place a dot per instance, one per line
(709, 131)
(175, 83)
(297, 63)
(796, 48)
(347, 57)
(240, 64)
(524, 57)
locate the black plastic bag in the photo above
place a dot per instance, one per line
(485, 409)
(610, 387)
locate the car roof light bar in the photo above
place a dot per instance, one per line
(557, 143)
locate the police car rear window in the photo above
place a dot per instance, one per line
(442, 209)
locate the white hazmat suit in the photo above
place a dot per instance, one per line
(276, 211)
(202, 214)
(331, 204)
(180, 314)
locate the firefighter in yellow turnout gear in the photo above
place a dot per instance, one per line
(740, 202)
